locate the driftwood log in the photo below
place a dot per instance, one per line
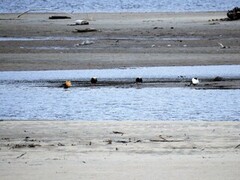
(86, 30)
(59, 17)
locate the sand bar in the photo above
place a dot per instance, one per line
(35, 42)
(117, 150)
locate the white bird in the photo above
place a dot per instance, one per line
(195, 81)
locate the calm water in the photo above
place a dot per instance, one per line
(226, 71)
(26, 101)
(116, 5)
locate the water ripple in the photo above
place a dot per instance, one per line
(116, 6)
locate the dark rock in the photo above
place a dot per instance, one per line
(234, 14)
(218, 78)
(139, 80)
(94, 80)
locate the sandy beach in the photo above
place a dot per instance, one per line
(35, 42)
(119, 150)
(114, 149)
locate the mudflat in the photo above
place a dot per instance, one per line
(35, 42)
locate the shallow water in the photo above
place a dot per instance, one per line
(108, 103)
(22, 100)
(117, 5)
(227, 71)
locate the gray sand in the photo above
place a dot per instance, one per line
(121, 40)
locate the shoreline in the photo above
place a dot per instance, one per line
(122, 40)
(119, 150)
(56, 149)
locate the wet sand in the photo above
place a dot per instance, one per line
(119, 150)
(121, 40)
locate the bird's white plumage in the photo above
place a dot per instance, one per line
(195, 81)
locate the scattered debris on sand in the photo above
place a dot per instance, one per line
(21, 155)
(87, 42)
(118, 132)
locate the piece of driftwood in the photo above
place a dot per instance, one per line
(21, 155)
(234, 14)
(162, 140)
(79, 22)
(118, 132)
(85, 30)
(23, 13)
(30, 11)
(60, 144)
(122, 141)
(238, 146)
(59, 17)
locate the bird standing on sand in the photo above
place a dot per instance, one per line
(194, 81)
